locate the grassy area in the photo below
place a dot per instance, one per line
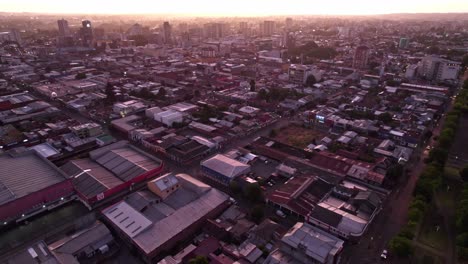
(298, 136)
(421, 256)
(433, 232)
(451, 173)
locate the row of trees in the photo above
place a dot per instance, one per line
(430, 180)
(462, 208)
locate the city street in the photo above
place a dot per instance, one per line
(394, 213)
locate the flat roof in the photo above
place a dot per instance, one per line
(26, 173)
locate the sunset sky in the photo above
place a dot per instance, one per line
(235, 7)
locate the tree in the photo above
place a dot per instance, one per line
(401, 246)
(199, 260)
(252, 85)
(464, 174)
(80, 76)
(257, 213)
(110, 93)
(262, 94)
(273, 133)
(394, 172)
(464, 63)
(234, 187)
(386, 118)
(254, 193)
(162, 93)
(438, 155)
(311, 80)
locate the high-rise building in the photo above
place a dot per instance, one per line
(12, 35)
(215, 30)
(361, 57)
(86, 32)
(289, 23)
(167, 31)
(267, 27)
(404, 42)
(64, 30)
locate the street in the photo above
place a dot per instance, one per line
(393, 216)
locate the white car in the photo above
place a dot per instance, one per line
(384, 254)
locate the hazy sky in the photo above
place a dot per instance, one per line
(235, 7)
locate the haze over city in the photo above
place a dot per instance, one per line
(236, 8)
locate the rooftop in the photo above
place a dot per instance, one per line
(225, 165)
(31, 174)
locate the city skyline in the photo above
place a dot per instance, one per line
(236, 8)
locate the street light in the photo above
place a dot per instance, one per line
(81, 173)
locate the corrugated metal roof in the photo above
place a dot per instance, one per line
(24, 174)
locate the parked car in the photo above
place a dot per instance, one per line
(384, 254)
(280, 214)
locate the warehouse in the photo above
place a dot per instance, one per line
(37, 185)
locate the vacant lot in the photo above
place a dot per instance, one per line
(298, 136)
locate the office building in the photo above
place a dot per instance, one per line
(11, 35)
(64, 30)
(215, 30)
(167, 31)
(289, 23)
(267, 28)
(404, 42)
(361, 57)
(86, 34)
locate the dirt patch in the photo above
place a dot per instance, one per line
(298, 136)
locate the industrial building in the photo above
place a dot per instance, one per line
(37, 185)
(172, 209)
(111, 170)
(223, 169)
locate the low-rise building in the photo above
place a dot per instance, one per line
(304, 244)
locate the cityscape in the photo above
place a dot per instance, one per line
(245, 133)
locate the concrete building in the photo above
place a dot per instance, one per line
(167, 31)
(169, 117)
(223, 169)
(64, 30)
(304, 244)
(404, 43)
(438, 69)
(215, 30)
(151, 224)
(86, 34)
(87, 130)
(299, 73)
(267, 27)
(361, 57)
